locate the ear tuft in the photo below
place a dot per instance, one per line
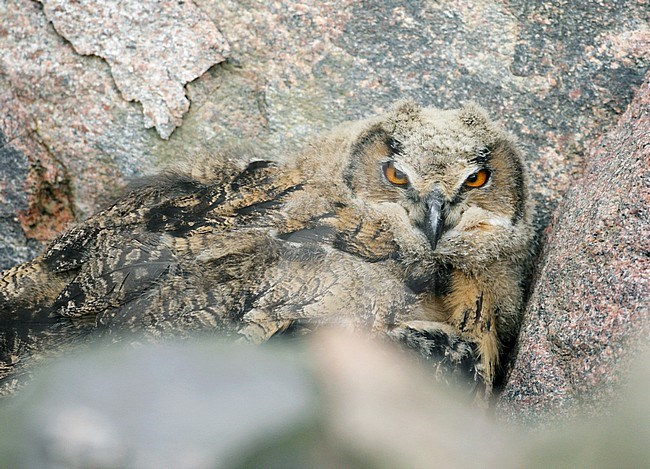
(473, 115)
(477, 120)
(403, 114)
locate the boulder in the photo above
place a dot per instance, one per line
(333, 401)
(588, 316)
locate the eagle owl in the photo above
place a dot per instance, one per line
(414, 226)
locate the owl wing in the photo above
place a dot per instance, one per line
(119, 269)
(120, 253)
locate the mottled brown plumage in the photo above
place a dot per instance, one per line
(414, 226)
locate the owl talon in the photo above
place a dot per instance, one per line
(451, 356)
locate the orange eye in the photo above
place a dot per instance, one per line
(394, 175)
(478, 179)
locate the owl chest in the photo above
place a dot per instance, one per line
(465, 303)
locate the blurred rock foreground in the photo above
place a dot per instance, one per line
(337, 401)
(94, 93)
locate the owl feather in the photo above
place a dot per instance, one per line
(414, 226)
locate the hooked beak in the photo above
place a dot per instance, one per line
(433, 222)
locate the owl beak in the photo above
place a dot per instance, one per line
(434, 222)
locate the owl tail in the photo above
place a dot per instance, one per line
(27, 290)
(26, 293)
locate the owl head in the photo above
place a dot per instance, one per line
(451, 181)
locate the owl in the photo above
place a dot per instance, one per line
(414, 227)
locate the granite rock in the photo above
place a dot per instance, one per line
(152, 47)
(589, 313)
(61, 113)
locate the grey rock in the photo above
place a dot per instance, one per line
(336, 401)
(190, 405)
(63, 112)
(14, 246)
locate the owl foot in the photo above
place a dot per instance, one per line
(453, 359)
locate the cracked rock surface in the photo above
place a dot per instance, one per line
(588, 316)
(153, 49)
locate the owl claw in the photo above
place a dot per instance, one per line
(452, 358)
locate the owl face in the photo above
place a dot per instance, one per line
(452, 173)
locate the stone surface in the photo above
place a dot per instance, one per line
(62, 113)
(35, 194)
(589, 312)
(152, 47)
(339, 401)
(185, 406)
(14, 246)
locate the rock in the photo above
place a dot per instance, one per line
(182, 405)
(70, 135)
(336, 401)
(65, 126)
(588, 315)
(152, 48)
(35, 193)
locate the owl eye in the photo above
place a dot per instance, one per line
(394, 175)
(478, 179)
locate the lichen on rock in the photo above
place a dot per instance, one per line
(152, 47)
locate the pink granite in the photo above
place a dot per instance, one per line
(589, 313)
(153, 49)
